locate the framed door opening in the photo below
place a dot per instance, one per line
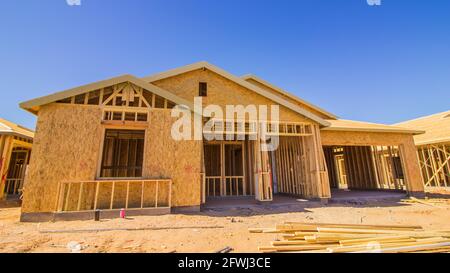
(225, 169)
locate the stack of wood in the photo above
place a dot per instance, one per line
(349, 238)
(435, 202)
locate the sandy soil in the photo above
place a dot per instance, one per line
(231, 227)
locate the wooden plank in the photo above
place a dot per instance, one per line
(156, 194)
(80, 194)
(112, 195)
(68, 197)
(142, 194)
(96, 195)
(128, 195)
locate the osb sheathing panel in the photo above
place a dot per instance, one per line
(66, 147)
(177, 160)
(221, 91)
(405, 141)
(302, 105)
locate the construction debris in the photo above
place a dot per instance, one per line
(429, 202)
(349, 238)
(225, 250)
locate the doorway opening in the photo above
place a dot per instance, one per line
(225, 169)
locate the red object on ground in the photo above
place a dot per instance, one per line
(122, 213)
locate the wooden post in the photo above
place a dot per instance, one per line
(66, 205)
(411, 169)
(128, 194)
(156, 193)
(170, 193)
(60, 198)
(112, 195)
(142, 194)
(80, 194)
(96, 195)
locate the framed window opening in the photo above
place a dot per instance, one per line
(122, 154)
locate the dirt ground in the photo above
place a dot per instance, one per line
(208, 231)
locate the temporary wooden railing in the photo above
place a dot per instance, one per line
(226, 186)
(233, 184)
(212, 184)
(13, 185)
(73, 193)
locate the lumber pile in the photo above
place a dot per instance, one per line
(435, 202)
(348, 238)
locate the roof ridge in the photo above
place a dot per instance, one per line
(423, 117)
(288, 94)
(274, 97)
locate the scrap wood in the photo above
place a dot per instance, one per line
(225, 250)
(426, 201)
(403, 227)
(346, 238)
(436, 248)
(125, 229)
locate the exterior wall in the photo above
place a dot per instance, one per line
(404, 141)
(67, 147)
(178, 160)
(221, 91)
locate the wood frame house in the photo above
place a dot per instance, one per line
(433, 148)
(108, 145)
(15, 149)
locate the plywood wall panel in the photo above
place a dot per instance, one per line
(177, 160)
(66, 147)
(221, 91)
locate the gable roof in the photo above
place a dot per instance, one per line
(289, 95)
(33, 105)
(436, 127)
(10, 128)
(359, 126)
(240, 81)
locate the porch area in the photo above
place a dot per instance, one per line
(244, 170)
(280, 200)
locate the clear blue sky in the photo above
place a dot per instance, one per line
(381, 64)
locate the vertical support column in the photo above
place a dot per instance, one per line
(258, 168)
(411, 168)
(244, 172)
(263, 190)
(223, 184)
(203, 175)
(318, 165)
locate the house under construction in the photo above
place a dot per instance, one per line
(433, 148)
(15, 149)
(108, 145)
